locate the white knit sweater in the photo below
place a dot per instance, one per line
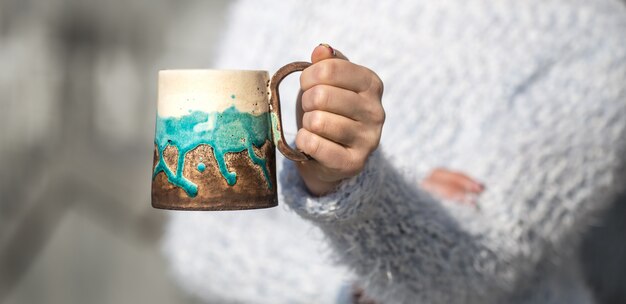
(528, 97)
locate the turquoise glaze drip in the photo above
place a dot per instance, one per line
(230, 131)
(201, 167)
(275, 131)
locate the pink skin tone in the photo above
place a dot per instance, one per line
(340, 119)
(451, 185)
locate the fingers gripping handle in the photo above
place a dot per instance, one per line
(277, 125)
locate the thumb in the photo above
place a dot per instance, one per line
(325, 51)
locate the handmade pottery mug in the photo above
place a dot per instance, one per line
(215, 139)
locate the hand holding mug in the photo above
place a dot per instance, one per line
(340, 119)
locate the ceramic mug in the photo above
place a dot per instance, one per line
(215, 139)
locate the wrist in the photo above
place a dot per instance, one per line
(315, 185)
(320, 188)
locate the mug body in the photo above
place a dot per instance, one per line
(213, 148)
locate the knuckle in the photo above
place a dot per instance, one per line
(325, 71)
(382, 116)
(319, 97)
(306, 78)
(377, 114)
(373, 141)
(308, 100)
(317, 123)
(377, 86)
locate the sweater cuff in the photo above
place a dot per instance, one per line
(351, 197)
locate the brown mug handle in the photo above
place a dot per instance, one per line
(276, 118)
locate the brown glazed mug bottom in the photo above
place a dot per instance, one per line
(214, 193)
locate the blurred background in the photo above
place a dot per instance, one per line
(77, 108)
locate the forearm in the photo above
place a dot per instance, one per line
(403, 243)
(397, 237)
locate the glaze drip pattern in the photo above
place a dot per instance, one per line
(229, 131)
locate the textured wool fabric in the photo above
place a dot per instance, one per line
(528, 97)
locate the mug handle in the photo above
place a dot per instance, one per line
(276, 118)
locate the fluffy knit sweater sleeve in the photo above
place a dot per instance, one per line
(528, 97)
(559, 160)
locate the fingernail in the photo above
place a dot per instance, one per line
(326, 45)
